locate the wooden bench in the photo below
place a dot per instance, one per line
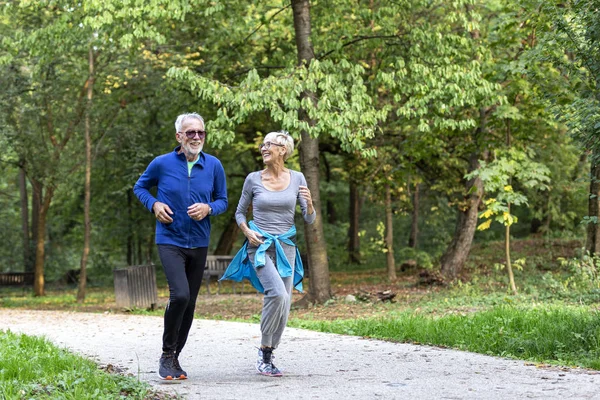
(16, 278)
(215, 267)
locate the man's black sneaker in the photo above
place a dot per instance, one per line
(264, 364)
(166, 368)
(180, 372)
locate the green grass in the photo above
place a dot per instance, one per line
(33, 368)
(564, 335)
(18, 297)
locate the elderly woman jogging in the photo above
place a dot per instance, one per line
(269, 257)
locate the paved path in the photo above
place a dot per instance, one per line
(219, 358)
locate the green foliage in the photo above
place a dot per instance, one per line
(423, 259)
(584, 274)
(342, 105)
(569, 38)
(32, 367)
(497, 177)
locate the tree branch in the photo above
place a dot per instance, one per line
(356, 40)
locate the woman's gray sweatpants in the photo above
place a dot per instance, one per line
(278, 296)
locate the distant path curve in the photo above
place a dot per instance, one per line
(220, 359)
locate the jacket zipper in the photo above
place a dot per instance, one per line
(189, 202)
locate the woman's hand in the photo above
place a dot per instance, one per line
(254, 238)
(305, 194)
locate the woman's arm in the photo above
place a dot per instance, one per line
(305, 200)
(240, 213)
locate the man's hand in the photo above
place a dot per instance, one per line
(198, 211)
(162, 212)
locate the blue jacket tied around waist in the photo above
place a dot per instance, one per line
(241, 267)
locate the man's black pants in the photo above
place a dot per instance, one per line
(184, 269)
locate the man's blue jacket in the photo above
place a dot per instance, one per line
(205, 184)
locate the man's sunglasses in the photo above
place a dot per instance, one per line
(192, 134)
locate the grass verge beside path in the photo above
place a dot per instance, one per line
(563, 335)
(33, 368)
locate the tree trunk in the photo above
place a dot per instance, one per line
(511, 276)
(27, 261)
(36, 206)
(130, 228)
(88, 183)
(457, 252)
(548, 216)
(38, 283)
(389, 234)
(150, 247)
(228, 237)
(354, 230)
(331, 215)
(320, 287)
(140, 255)
(414, 222)
(592, 244)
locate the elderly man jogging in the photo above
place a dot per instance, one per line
(191, 187)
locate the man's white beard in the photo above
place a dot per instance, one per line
(194, 151)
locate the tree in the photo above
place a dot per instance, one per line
(320, 288)
(497, 177)
(570, 38)
(88, 179)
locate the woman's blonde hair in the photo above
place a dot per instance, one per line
(284, 138)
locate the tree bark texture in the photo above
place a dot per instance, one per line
(87, 184)
(320, 286)
(38, 282)
(331, 214)
(511, 276)
(36, 206)
(354, 229)
(389, 234)
(27, 261)
(414, 222)
(457, 252)
(592, 243)
(130, 228)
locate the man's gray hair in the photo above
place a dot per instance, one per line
(284, 138)
(183, 117)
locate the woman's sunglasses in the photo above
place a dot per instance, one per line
(267, 145)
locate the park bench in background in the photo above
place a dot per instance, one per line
(215, 267)
(16, 278)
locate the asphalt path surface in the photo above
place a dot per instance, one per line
(219, 359)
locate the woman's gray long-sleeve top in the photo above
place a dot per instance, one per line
(273, 211)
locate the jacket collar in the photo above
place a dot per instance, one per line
(201, 156)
